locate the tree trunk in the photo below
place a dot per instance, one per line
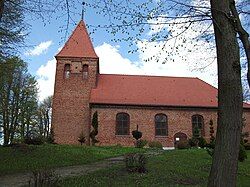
(1, 9)
(225, 160)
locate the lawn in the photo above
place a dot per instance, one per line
(49, 156)
(172, 168)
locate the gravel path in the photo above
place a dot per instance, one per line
(22, 179)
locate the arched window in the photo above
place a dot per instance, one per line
(161, 125)
(122, 124)
(85, 70)
(198, 125)
(67, 71)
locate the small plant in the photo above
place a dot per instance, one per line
(183, 144)
(242, 153)
(155, 144)
(135, 162)
(202, 142)
(94, 132)
(81, 139)
(136, 133)
(193, 142)
(141, 143)
(44, 178)
(211, 124)
(32, 138)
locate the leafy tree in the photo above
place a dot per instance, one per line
(44, 117)
(18, 99)
(167, 16)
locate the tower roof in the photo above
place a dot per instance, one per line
(78, 44)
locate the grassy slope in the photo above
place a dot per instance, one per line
(49, 156)
(173, 168)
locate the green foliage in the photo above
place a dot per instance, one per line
(140, 143)
(183, 144)
(94, 132)
(247, 146)
(81, 138)
(242, 153)
(135, 162)
(137, 134)
(155, 144)
(196, 132)
(202, 142)
(46, 178)
(193, 142)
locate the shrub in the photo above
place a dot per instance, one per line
(183, 144)
(211, 145)
(202, 142)
(81, 139)
(140, 143)
(44, 178)
(135, 162)
(242, 153)
(193, 142)
(137, 134)
(155, 144)
(247, 146)
(94, 132)
(39, 140)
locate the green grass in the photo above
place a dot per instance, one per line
(50, 156)
(172, 168)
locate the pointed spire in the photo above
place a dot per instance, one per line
(79, 44)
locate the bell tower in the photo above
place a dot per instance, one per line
(77, 70)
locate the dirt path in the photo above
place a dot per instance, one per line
(22, 179)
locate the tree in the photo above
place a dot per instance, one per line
(12, 27)
(44, 117)
(163, 18)
(18, 99)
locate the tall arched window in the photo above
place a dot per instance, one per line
(85, 70)
(161, 125)
(122, 124)
(67, 71)
(198, 125)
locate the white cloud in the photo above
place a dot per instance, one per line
(39, 49)
(46, 79)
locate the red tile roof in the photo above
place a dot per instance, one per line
(153, 91)
(79, 44)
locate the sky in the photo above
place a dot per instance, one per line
(47, 40)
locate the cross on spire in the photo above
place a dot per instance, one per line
(83, 9)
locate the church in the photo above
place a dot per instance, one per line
(165, 109)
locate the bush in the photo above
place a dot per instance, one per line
(247, 146)
(183, 144)
(242, 154)
(135, 162)
(193, 142)
(44, 178)
(137, 134)
(81, 139)
(39, 140)
(202, 142)
(155, 144)
(140, 143)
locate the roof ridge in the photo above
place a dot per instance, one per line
(148, 76)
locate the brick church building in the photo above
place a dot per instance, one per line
(165, 109)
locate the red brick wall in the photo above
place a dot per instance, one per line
(179, 120)
(70, 113)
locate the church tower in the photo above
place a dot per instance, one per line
(77, 70)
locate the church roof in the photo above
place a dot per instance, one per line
(154, 91)
(78, 44)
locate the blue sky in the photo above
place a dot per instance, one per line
(114, 57)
